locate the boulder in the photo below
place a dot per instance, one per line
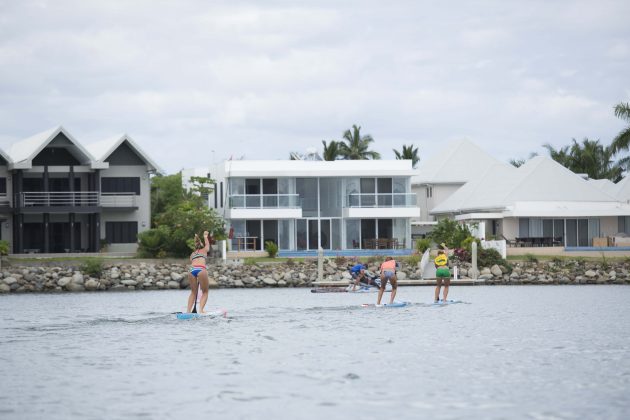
(176, 277)
(590, 273)
(129, 282)
(91, 284)
(173, 285)
(74, 287)
(9, 280)
(495, 270)
(77, 278)
(4, 288)
(62, 282)
(268, 281)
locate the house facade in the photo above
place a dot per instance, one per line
(303, 205)
(57, 196)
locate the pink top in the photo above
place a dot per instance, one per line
(389, 265)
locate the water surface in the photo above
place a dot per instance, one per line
(537, 352)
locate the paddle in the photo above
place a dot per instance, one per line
(194, 311)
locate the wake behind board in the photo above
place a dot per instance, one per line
(446, 302)
(216, 313)
(387, 305)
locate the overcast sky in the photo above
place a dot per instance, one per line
(262, 78)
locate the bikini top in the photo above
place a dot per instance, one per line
(196, 255)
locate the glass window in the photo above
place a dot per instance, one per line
(270, 186)
(571, 232)
(547, 228)
(582, 232)
(252, 186)
(121, 185)
(121, 232)
(301, 234)
(353, 236)
(523, 227)
(593, 230)
(385, 228)
(285, 234)
(336, 233)
(306, 188)
(330, 197)
(558, 230)
(535, 228)
(237, 186)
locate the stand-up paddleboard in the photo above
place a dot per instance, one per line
(387, 305)
(330, 289)
(348, 289)
(215, 313)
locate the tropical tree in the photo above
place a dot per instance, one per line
(408, 153)
(356, 147)
(589, 157)
(332, 150)
(622, 140)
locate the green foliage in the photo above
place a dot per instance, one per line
(622, 140)
(450, 232)
(490, 257)
(531, 258)
(153, 242)
(413, 260)
(4, 247)
(356, 146)
(467, 243)
(604, 263)
(93, 267)
(332, 150)
(408, 153)
(290, 262)
(557, 260)
(272, 249)
(422, 245)
(589, 157)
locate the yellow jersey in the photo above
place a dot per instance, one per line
(441, 260)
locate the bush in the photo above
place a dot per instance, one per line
(422, 245)
(450, 232)
(467, 243)
(4, 247)
(462, 255)
(290, 262)
(531, 258)
(272, 249)
(489, 257)
(413, 260)
(152, 242)
(93, 267)
(340, 260)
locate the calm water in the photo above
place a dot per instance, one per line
(509, 352)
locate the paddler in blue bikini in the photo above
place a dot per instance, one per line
(198, 275)
(442, 274)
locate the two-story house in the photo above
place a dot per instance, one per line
(58, 196)
(302, 205)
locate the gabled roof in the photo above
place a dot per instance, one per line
(457, 163)
(622, 189)
(104, 148)
(24, 151)
(5, 156)
(541, 179)
(605, 185)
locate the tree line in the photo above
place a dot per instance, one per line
(593, 158)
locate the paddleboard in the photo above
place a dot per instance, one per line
(331, 289)
(386, 305)
(215, 313)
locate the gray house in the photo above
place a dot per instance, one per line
(58, 196)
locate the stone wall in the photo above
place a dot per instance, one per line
(161, 275)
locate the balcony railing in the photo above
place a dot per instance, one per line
(75, 199)
(381, 200)
(264, 201)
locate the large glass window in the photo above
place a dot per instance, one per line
(330, 197)
(353, 235)
(368, 189)
(285, 234)
(119, 185)
(523, 227)
(307, 190)
(121, 232)
(571, 232)
(336, 233)
(301, 234)
(583, 232)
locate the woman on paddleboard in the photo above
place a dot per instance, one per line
(442, 273)
(198, 275)
(388, 273)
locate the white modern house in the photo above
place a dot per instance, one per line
(57, 195)
(446, 172)
(302, 205)
(540, 203)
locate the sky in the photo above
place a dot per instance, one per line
(196, 82)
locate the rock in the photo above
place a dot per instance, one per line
(73, 287)
(176, 277)
(160, 284)
(4, 288)
(91, 284)
(487, 276)
(9, 280)
(590, 274)
(485, 270)
(130, 282)
(269, 281)
(401, 275)
(495, 270)
(282, 283)
(114, 273)
(77, 278)
(62, 282)
(173, 284)
(238, 283)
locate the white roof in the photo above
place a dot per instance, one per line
(605, 185)
(24, 151)
(539, 180)
(622, 189)
(459, 162)
(305, 168)
(104, 148)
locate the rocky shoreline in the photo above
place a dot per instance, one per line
(136, 275)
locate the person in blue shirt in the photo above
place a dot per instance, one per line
(358, 273)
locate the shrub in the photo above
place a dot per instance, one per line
(531, 258)
(450, 232)
(413, 260)
(422, 245)
(467, 243)
(272, 249)
(489, 257)
(4, 247)
(290, 262)
(462, 255)
(152, 242)
(340, 260)
(93, 267)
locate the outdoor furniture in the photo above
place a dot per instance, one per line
(245, 243)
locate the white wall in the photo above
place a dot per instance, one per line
(440, 192)
(510, 227)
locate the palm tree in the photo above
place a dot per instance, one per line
(622, 140)
(357, 146)
(331, 150)
(408, 153)
(589, 157)
(517, 162)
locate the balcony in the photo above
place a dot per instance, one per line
(73, 199)
(264, 206)
(381, 205)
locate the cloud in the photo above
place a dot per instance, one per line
(262, 79)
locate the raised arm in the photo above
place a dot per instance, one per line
(206, 242)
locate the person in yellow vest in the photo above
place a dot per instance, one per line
(388, 273)
(442, 274)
